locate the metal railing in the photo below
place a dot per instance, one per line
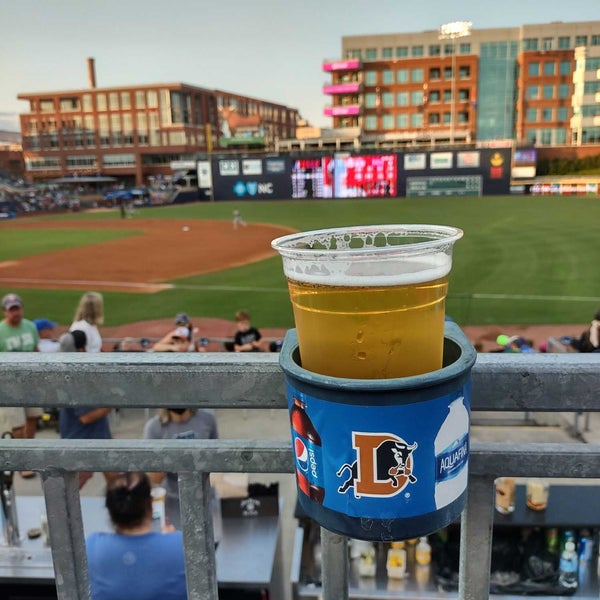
(501, 382)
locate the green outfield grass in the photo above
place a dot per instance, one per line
(523, 260)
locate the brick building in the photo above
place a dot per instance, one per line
(134, 132)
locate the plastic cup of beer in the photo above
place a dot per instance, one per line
(159, 495)
(369, 302)
(505, 495)
(536, 494)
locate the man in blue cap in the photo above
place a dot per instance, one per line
(47, 332)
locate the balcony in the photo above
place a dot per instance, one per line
(501, 382)
(352, 64)
(353, 87)
(342, 111)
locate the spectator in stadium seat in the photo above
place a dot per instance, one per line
(47, 332)
(18, 334)
(174, 341)
(135, 562)
(247, 338)
(90, 314)
(589, 341)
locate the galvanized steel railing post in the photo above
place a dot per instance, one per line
(67, 540)
(476, 539)
(335, 568)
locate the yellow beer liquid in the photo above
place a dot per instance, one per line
(370, 332)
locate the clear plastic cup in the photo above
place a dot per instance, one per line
(369, 302)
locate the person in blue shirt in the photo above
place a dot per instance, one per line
(135, 562)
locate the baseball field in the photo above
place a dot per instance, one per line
(523, 260)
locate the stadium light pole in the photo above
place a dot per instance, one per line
(453, 31)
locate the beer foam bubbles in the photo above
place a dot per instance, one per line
(372, 256)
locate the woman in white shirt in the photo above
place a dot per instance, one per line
(90, 314)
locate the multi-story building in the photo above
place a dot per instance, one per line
(533, 84)
(134, 132)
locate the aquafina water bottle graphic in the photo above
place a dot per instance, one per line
(452, 454)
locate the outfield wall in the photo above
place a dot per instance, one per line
(451, 172)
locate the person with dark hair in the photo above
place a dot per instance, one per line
(589, 341)
(135, 562)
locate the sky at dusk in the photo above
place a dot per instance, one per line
(267, 49)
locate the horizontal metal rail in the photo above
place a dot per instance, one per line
(501, 382)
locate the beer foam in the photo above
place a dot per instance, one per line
(385, 255)
(369, 273)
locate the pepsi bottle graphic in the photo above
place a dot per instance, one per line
(307, 453)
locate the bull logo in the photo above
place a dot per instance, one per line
(383, 465)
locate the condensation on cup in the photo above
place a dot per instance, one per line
(505, 495)
(369, 302)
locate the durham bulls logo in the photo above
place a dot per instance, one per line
(383, 465)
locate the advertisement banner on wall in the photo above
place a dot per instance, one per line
(255, 178)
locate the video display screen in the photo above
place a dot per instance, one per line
(360, 176)
(307, 178)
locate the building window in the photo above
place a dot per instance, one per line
(113, 101)
(547, 43)
(564, 42)
(402, 121)
(387, 121)
(463, 117)
(370, 77)
(354, 54)
(402, 75)
(69, 104)
(446, 118)
(86, 101)
(464, 72)
(416, 98)
(562, 113)
(564, 91)
(447, 72)
(46, 106)
(152, 97)
(546, 137)
(434, 96)
(401, 51)
(125, 100)
(463, 95)
(42, 164)
(565, 67)
(387, 99)
(371, 54)
(534, 69)
(447, 95)
(581, 40)
(435, 50)
(416, 75)
(560, 136)
(416, 120)
(464, 48)
(530, 44)
(140, 99)
(370, 122)
(387, 53)
(548, 92)
(387, 77)
(81, 161)
(533, 92)
(595, 40)
(435, 74)
(531, 115)
(434, 118)
(549, 68)
(448, 49)
(370, 100)
(402, 98)
(118, 160)
(547, 114)
(416, 51)
(101, 102)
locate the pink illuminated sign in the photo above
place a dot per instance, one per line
(342, 88)
(341, 65)
(341, 111)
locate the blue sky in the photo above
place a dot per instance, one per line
(270, 49)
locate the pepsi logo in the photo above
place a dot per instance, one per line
(301, 454)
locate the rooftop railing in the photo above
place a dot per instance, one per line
(501, 382)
